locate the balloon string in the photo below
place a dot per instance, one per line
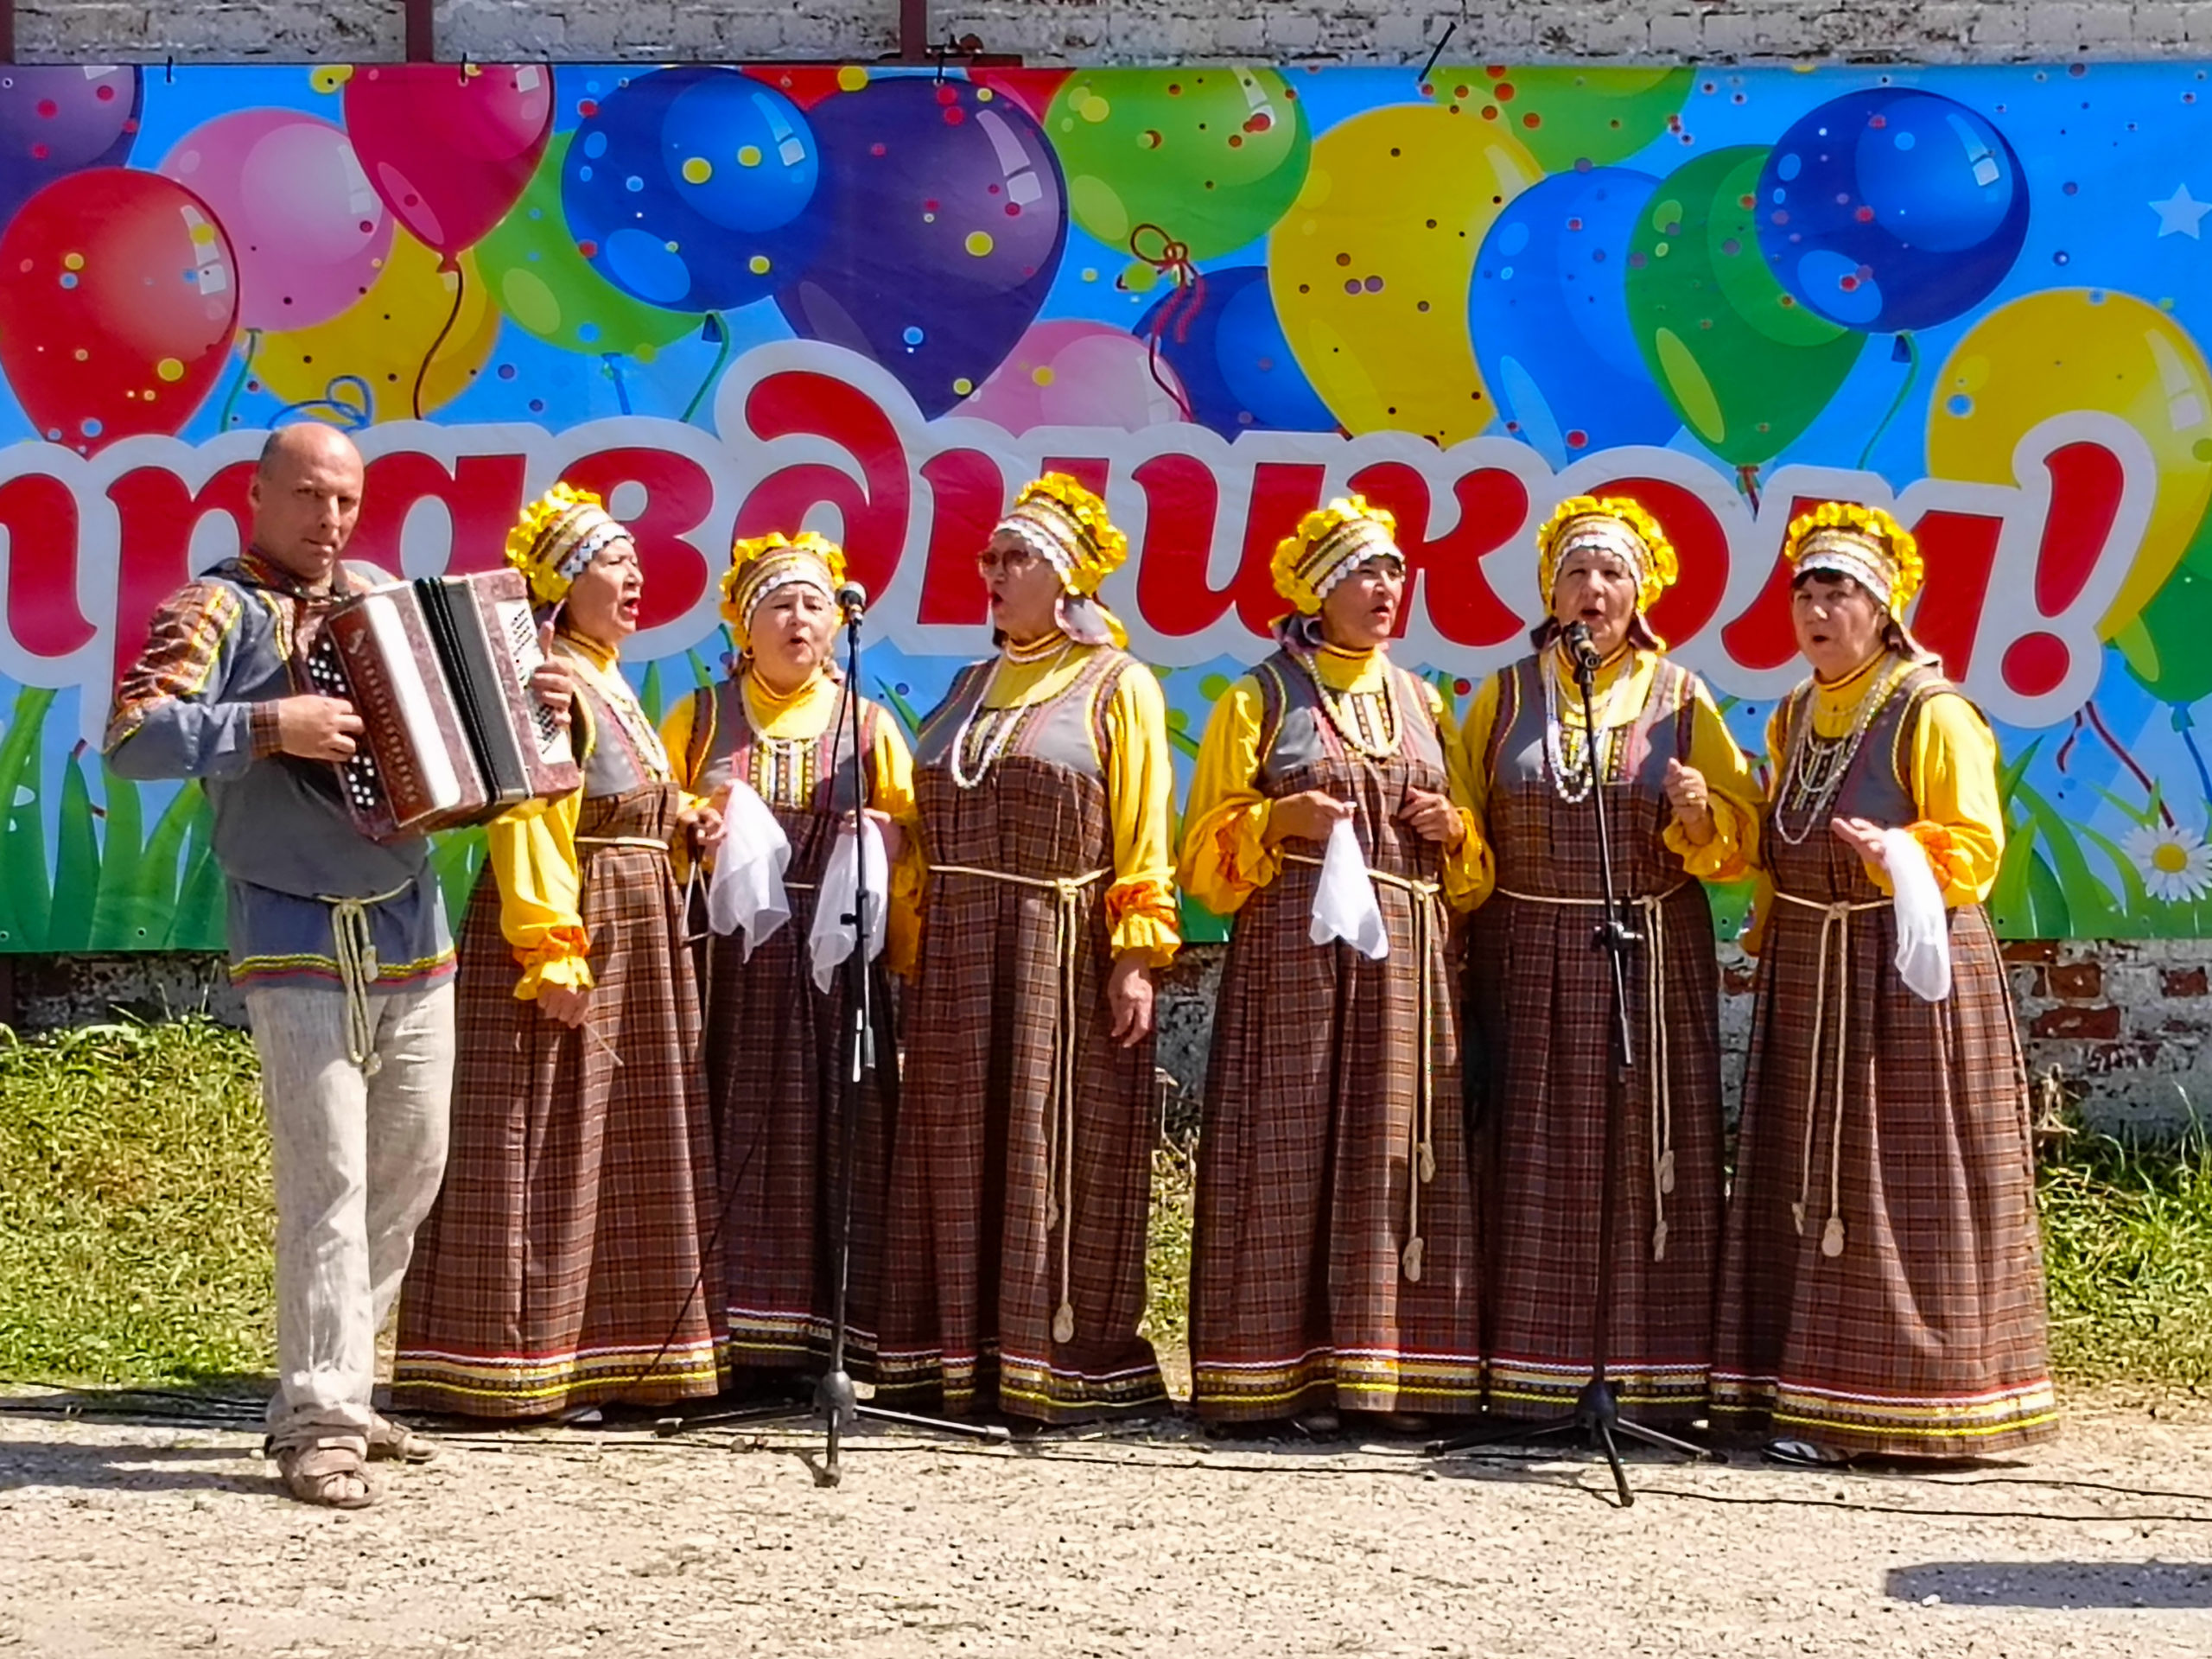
(245, 370)
(460, 288)
(1173, 259)
(716, 373)
(615, 373)
(350, 416)
(2128, 760)
(1912, 375)
(1747, 480)
(2065, 757)
(2187, 727)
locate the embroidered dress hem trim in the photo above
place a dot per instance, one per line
(538, 1383)
(1047, 1391)
(759, 1338)
(1959, 1424)
(1365, 1379)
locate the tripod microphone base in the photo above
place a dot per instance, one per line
(1596, 1420)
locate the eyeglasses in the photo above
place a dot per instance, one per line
(1013, 560)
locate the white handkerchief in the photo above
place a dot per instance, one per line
(747, 889)
(1924, 956)
(1343, 899)
(832, 940)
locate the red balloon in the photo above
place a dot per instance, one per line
(449, 150)
(118, 299)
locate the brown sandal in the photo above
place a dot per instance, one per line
(391, 1442)
(329, 1476)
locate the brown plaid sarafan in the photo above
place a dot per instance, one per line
(975, 1252)
(566, 1261)
(773, 1050)
(1542, 998)
(1310, 1189)
(1925, 1335)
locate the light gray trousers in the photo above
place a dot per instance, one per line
(357, 1160)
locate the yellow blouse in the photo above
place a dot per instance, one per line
(531, 850)
(803, 717)
(1729, 786)
(1961, 822)
(1140, 786)
(1229, 851)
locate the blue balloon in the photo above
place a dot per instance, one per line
(692, 189)
(1233, 358)
(1548, 311)
(1892, 209)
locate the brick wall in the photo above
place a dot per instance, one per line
(1127, 31)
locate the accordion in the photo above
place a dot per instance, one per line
(439, 671)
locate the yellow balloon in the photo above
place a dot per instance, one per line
(1370, 268)
(383, 337)
(2079, 348)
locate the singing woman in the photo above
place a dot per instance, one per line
(779, 725)
(565, 1266)
(1333, 1267)
(1681, 805)
(1882, 1282)
(1015, 1272)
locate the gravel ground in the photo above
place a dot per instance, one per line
(141, 1537)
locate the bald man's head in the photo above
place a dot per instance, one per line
(306, 497)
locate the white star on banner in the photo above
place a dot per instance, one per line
(2180, 214)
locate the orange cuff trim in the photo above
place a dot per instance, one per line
(1153, 900)
(556, 944)
(1943, 851)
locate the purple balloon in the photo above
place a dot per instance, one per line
(57, 118)
(947, 216)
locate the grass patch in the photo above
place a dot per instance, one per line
(135, 1206)
(136, 1220)
(2128, 1241)
(1167, 1265)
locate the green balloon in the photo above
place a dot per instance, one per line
(2164, 646)
(1746, 368)
(1564, 116)
(1207, 158)
(541, 281)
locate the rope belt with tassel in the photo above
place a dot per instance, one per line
(352, 947)
(1428, 896)
(1836, 924)
(1059, 1119)
(1648, 908)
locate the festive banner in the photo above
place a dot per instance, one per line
(875, 303)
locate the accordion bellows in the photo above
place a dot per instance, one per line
(439, 671)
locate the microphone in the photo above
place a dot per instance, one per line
(852, 599)
(1579, 648)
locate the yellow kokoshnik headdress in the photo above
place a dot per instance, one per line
(761, 564)
(1065, 526)
(559, 533)
(1843, 538)
(1328, 545)
(1613, 524)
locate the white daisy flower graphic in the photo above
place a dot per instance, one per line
(2176, 863)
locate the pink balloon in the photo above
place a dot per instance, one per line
(309, 234)
(1071, 373)
(449, 148)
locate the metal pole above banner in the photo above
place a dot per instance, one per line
(422, 30)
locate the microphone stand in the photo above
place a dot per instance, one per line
(1596, 1416)
(865, 1039)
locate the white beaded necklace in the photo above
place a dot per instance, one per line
(1812, 793)
(1005, 722)
(1573, 782)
